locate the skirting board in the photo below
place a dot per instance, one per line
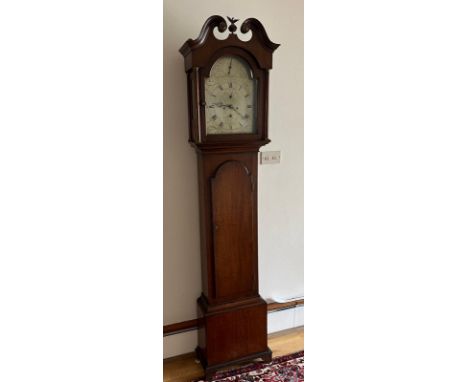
(186, 342)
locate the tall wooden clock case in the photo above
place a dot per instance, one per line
(228, 123)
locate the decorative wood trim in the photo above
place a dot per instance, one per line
(273, 306)
(258, 30)
(228, 162)
(180, 327)
(185, 326)
(207, 30)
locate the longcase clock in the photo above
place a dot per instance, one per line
(228, 122)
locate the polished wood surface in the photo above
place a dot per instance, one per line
(232, 315)
(233, 222)
(185, 368)
(234, 334)
(228, 201)
(199, 56)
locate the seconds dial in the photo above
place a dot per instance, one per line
(230, 97)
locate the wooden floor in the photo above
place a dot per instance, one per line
(185, 368)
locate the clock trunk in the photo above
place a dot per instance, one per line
(232, 314)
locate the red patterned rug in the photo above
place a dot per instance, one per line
(288, 368)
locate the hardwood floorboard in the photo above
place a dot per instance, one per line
(185, 368)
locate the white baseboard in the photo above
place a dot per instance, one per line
(186, 342)
(285, 319)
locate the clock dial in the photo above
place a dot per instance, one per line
(230, 96)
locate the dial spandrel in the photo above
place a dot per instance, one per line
(230, 97)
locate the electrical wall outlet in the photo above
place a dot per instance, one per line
(270, 157)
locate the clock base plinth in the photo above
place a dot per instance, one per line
(232, 333)
(266, 356)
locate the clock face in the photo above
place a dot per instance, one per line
(230, 97)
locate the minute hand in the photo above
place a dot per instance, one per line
(232, 108)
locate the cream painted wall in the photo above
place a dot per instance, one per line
(280, 186)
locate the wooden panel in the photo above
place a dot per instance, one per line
(233, 230)
(236, 334)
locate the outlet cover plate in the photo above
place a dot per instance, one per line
(270, 157)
